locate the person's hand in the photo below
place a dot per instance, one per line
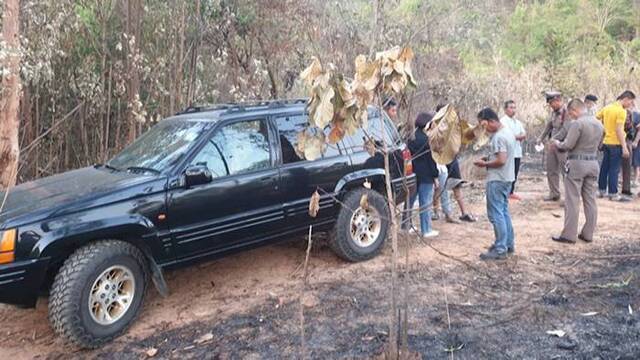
(625, 152)
(480, 163)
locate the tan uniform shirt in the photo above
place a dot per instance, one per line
(583, 136)
(557, 125)
(581, 175)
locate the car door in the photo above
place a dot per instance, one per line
(241, 204)
(300, 178)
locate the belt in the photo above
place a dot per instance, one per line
(582, 157)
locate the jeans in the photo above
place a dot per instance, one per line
(445, 202)
(626, 171)
(424, 194)
(610, 168)
(425, 198)
(498, 213)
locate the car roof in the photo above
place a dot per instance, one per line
(219, 112)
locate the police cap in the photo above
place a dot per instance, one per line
(552, 95)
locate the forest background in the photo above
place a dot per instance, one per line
(96, 73)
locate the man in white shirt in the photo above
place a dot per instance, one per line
(510, 122)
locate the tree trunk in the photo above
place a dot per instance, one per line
(133, 16)
(191, 92)
(10, 100)
(179, 60)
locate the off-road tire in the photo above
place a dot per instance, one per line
(69, 312)
(341, 241)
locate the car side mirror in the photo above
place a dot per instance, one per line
(197, 175)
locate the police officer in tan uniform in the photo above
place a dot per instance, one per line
(581, 172)
(556, 129)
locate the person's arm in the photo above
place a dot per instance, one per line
(621, 117)
(562, 132)
(499, 161)
(546, 132)
(500, 150)
(433, 168)
(571, 139)
(600, 115)
(636, 140)
(522, 135)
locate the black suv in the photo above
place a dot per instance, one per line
(205, 183)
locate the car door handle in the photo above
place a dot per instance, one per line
(270, 179)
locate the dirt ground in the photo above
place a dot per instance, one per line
(246, 306)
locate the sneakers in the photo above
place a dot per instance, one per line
(514, 196)
(430, 234)
(493, 255)
(467, 218)
(619, 198)
(435, 215)
(510, 251)
(601, 194)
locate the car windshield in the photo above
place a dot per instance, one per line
(160, 147)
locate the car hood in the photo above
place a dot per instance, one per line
(50, 196)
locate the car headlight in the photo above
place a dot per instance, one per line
(7, 246)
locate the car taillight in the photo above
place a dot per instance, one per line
(7, 246)
(408, 165)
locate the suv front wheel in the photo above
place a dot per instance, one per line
(360, 232)
(98, 292)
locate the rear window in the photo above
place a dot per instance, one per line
(377, 130)
(289, 125)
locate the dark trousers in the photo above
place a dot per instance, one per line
(513, 184)
(610, 168)
(626, 172)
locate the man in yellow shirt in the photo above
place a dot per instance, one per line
(613, 117)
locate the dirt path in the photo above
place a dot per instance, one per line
(246, 304)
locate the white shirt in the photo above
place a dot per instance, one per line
(517, 129)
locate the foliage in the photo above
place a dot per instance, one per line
(343, 105)
(468, 53)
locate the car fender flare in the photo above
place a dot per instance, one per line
(134, 229)
(360, 175)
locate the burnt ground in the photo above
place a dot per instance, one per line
(497, 312)
(247, 305)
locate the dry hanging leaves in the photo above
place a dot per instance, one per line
(311, 144)
(343, 105)
(395, 65)
(449, 133)
(364, 202)
(314, 204)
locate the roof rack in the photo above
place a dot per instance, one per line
(242, 106)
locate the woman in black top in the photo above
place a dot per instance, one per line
(426, 172)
